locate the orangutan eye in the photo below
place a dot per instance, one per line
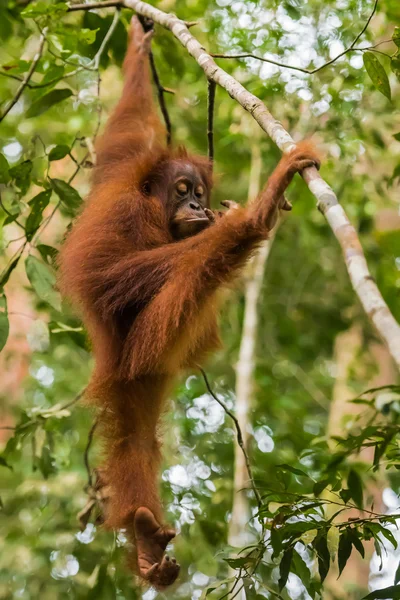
(199, 191)
(182, 188)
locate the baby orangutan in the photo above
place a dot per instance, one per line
(144, 262)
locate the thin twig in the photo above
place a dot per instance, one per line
(87, 450)
(14, 220)
(366, 25)
(105, 4)
(239, 435)
(107, 37)
(28, 75)
(292, 67)
(148, 25)
(161, 99)
(74, 401)
(210, 118)
(35, 86)
(351, 48)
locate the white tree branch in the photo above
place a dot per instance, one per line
(361, 279)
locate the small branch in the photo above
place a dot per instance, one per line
(74, 401)
(161, 90)
(107, 37)
(239, 435)
(28, 75)
(210, 121)
(91, 6)
(10, 215)
(148, 25)
(366, 24)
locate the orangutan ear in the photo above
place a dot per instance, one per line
(146, 187)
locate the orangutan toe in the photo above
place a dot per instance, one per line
(164, 574)
(151, 541)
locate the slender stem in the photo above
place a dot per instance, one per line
(107, 37)
(26, 79)
(10, 214)
(87, 450)
(105, 4)
(74, 401)
(210, 121)
(239, 435)
(351, 48)
(364, 29)
(161, 99)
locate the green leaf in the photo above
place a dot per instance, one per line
(395, 66)
(6, 274)
(4, 324)
(38, 9)
(284, 568)
(377, 528)
(355, 487)
(396, 172)
(396, 36)
(43, 281)
(390, 593)
(21, 173)
(344, 551)
(67, 194)
(53, 74)
(58, 152)
(355, 540)
(324, 559)
(332, 539)
(300, 527)
(285, 467)
(276, 541)
(38, 204)
(320, 486)
(48, 253)
(88, 35)
(4, 167)
(377, 74)
(397, 574)
(47, 101)
(300, 568)
(4, 463)
(397, 136)
(46, 463)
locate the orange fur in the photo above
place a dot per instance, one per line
(149, 302)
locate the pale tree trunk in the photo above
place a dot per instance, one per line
(239, 535)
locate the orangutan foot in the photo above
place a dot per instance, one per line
(151, 541)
